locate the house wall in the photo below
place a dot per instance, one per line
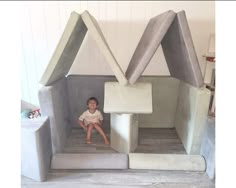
(54, 104)
(80, 88)
(191, 115)
(122, 23)
(164, 90)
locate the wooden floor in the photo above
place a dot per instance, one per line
(76, 143)
(121, 179)
(162, 141)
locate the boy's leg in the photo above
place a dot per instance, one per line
(99, 129)
(90, 127)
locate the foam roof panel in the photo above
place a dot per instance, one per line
(169, 29)
(66, 50)
(180, 54)
(148, 44)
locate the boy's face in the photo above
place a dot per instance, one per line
(92, 105)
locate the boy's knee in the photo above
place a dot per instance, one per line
(97, 126)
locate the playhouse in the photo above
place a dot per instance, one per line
(131, 103)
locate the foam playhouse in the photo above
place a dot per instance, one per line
(129, 101)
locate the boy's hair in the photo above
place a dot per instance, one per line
(94, 99)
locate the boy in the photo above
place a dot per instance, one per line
(92, 118)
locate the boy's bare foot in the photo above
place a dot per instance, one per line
(107, 142)
(88, 142)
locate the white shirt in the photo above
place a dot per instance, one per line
(88, 117)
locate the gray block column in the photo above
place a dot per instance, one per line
(36, 148)
(208, 147)
(124, 132)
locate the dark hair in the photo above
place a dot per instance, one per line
(94, 99)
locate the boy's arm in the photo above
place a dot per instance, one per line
(100, 122)
(81, 123)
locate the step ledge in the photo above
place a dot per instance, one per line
(90, 161)
(167, 162)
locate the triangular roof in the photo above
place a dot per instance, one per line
(148, 44)
(69, 45)
(169, 29)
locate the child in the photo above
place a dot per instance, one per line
(92, 118)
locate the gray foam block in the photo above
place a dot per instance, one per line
(89, 161)
(129, 99)
(167, 162)
(179, 52)
(191, 113)
(54, 104)
(36, 148)
(148, 44)
(208, 147)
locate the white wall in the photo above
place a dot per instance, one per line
(122, 24)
